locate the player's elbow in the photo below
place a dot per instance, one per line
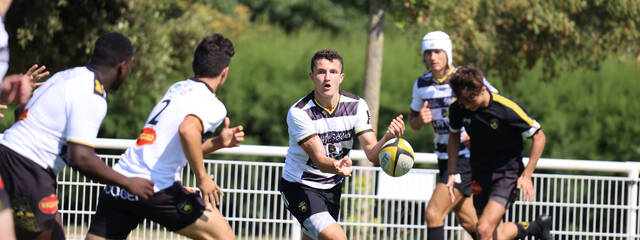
(81, 157)
(539, 137)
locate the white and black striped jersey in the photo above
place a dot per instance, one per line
(337, 130)
(4, 51)
(439, 94)
(69, 107)
(157, 154)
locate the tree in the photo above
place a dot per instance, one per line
(506, 37)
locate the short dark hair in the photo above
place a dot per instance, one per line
(212, 55)
(328, 54)
(111, 49)
(466, 80)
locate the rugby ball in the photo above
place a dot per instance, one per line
(396, 157)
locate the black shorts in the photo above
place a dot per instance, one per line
(31, 190)
(498, 186)
(119, 212)
(304, 201)
(463, 174)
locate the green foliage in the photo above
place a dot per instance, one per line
(58, 33)
(296, 14)
(586, 114)
(501, 35)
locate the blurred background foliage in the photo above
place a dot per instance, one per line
(572, 63)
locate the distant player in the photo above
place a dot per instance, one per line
(171, 137)
(322, 127)
(496, 126)
(57, 128)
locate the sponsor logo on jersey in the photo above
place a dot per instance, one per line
(49, 204)
(303, 206)
(23, 216)
(147, 136)
(184, 207)
(524, 225)
(475, 187)
(493, 123)
(445, 112)
(23, 115)
(190, 190)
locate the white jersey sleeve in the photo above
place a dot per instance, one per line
(210, 119)
(4, 51)
(363, 119)
(82, 128)
(301, 127)
(416, 100)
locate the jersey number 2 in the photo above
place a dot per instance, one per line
(153, 120)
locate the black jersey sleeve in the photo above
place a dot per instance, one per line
(455, 117)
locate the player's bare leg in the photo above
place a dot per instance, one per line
(440, 205)
(332, 232)
(6, 228)
(466, 213)
(490, 226)
(211, 225)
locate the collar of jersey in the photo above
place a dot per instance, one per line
(95, 74)
(205, 84)
(441, 80)
(328, 111)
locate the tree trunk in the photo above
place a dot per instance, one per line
(373, 64)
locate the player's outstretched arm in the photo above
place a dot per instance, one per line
(371, 146)
(190, 131)
(84, 159)
(453, 147)
(524, 181)
(229, 137)
(314, 148)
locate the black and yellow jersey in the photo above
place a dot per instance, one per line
(496, 132)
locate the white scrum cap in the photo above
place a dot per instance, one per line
(438, 40)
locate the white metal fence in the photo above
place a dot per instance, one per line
(375, 206)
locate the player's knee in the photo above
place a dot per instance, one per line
(333, 232)
(484, 230)
(433, 216)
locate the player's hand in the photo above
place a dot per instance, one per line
(465, 139)
(450, 185)
(231, 137)
(140, 186)
(396, 128)
(211, 192)
(343, 166)
(2, 107)
(425, 113)
(526, 186)
(36, 73)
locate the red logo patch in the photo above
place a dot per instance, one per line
(1, 183)
(23, 115)
(49, 205)
(147, 136)
(475, 187)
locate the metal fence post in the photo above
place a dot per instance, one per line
(632, 215)
(296, 231)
